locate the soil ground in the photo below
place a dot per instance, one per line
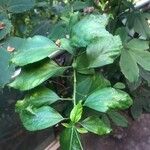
(136, 137)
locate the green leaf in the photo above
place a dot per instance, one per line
(138, 21)
(82, 64)
(6, 69)
(118, 119)
(119, 85)
(34, 49)
(137, 108)
(66, 45)
(38, 97)
(70, 139)
(6, 28)
(44, 117)
(86, 84)
(145, 75)
(17, 6)
(105, 119)
(138, 44)
(122, 33)
(82, 130)
(14, 42)
(134, 53)
(95, 125)
(108, 98)
(142, 58)
(67, 125)
(78, 5)
(89, 28)
(74, 18)
(35, 74)
(76, 112)
(3, 15)
(59, 30)
(146, 105)
(103, 51)
(129, 66)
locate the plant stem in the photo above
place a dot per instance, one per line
(74, 86)
(66, 99)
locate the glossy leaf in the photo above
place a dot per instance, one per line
(34, 49)
(95, 125)
(70, 139)
(35, 74)
(103, 51)
(6, 28)
(129, 66)
(42, 118)
(76, 112)
(38, 97)
(89, 28)
(108, 98)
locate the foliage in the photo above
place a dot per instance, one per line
(104, 51)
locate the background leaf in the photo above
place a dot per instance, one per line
(6, 69)
(17, 6)
(58, 31)
(6, 28)
(118, 119)
(136, 109)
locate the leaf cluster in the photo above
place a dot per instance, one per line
(95, 42)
